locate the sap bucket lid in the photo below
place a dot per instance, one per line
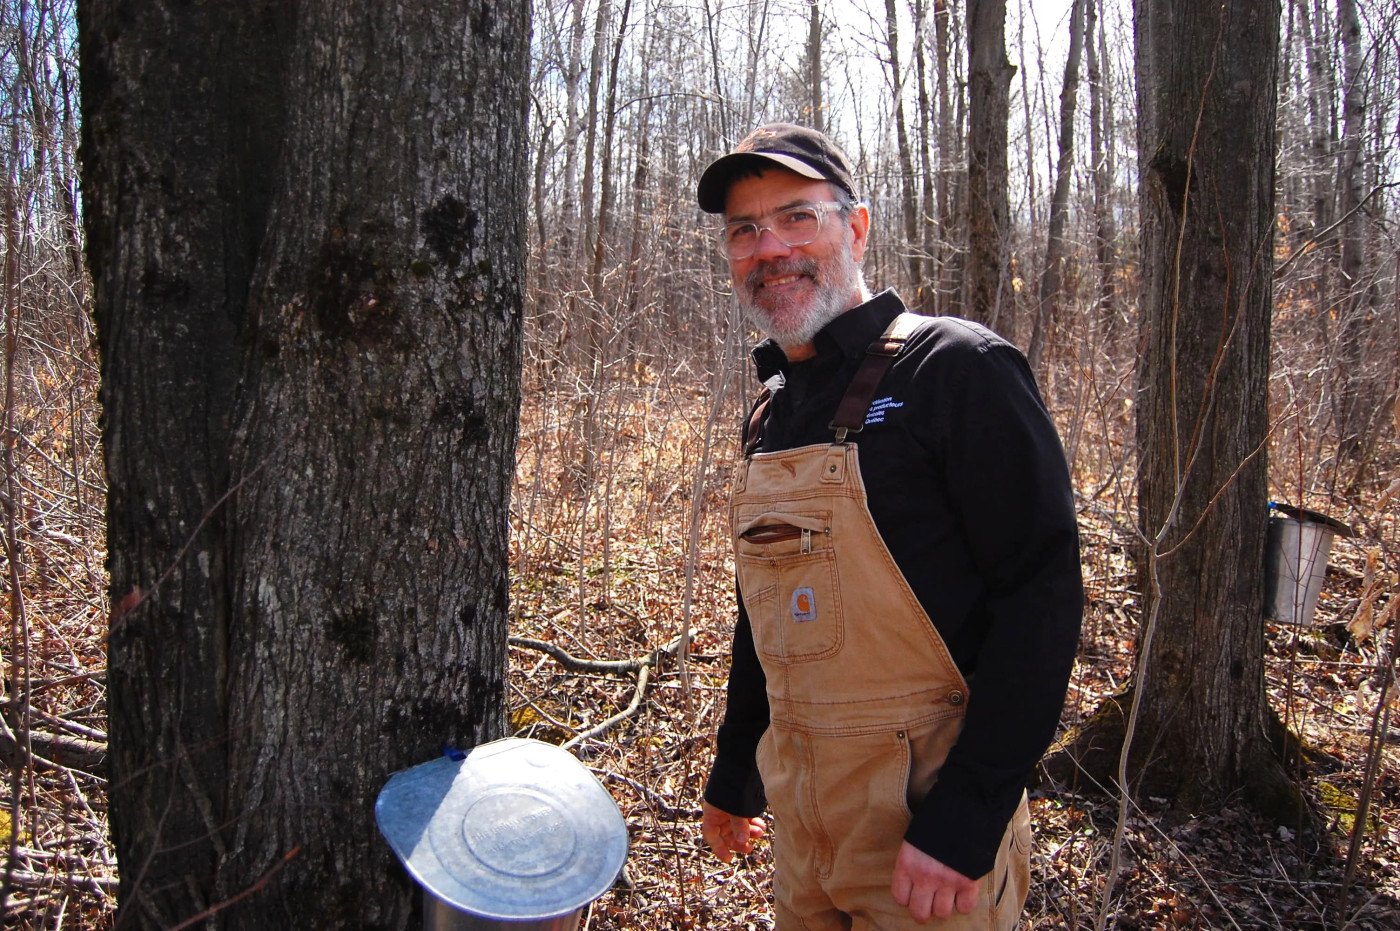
(1304, 515)
(515, 830)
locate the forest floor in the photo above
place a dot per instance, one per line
(604, 570)
(1225, 868)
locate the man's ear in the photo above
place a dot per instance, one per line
(860, 230)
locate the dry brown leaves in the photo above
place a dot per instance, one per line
(1222, 869)
(601, 553)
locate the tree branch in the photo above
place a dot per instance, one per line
(643, 677)
(574, 664)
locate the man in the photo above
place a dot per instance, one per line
(908, 575)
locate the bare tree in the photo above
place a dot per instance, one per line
(952, 183)
(924, 298)
(1354, 393)
(1059, 204)
(306, 231)
(814, 65)
(986, 278)
(1102, 164)
(602, 28)
(1315, 37)
(909, 201)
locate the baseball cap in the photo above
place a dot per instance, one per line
(796, 148)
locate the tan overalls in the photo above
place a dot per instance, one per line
(865, 701)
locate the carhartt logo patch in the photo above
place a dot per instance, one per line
(878, 409)
(804, 605)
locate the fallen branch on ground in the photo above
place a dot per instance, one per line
(642, 666)
(643, 677)
(54, 751)
(574, 664)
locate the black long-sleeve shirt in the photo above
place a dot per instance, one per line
(967, 484)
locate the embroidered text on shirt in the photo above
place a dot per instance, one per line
(876, 414)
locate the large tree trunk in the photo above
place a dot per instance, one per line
(985, 279)
(1206, 98)
(306, 232)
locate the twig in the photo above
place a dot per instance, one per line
(697, 511)
(21, 676)
(1317, 237)
(643, 677)
(654, 801)
(98, 883)
(641, 665)
(83, 755)
(574, 664)
(71, 726)
(1186, 857)
(1380, 724)
(45, 684)
(562, 725)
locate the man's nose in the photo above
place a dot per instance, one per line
(769, 245)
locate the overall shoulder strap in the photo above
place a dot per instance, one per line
(879, 356)
(753, 432)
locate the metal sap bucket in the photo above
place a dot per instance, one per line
(516, 834)
(1295, 564)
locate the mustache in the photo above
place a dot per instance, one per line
(802, 266)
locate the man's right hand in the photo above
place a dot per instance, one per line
(728, 834)
(930, 888)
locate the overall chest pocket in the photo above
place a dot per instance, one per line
(787, 573)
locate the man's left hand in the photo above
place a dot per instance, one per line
(927, 887)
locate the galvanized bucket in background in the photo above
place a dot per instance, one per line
(515, 835)
(1295, 566)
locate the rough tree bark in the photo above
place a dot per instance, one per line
(1206, 101)
(989, 87)
(306, 231)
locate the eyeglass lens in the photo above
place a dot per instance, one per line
(795, 226)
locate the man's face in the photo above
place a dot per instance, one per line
(791, 292)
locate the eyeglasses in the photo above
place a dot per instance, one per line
(792, 226)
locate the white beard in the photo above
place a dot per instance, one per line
(794, 325)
